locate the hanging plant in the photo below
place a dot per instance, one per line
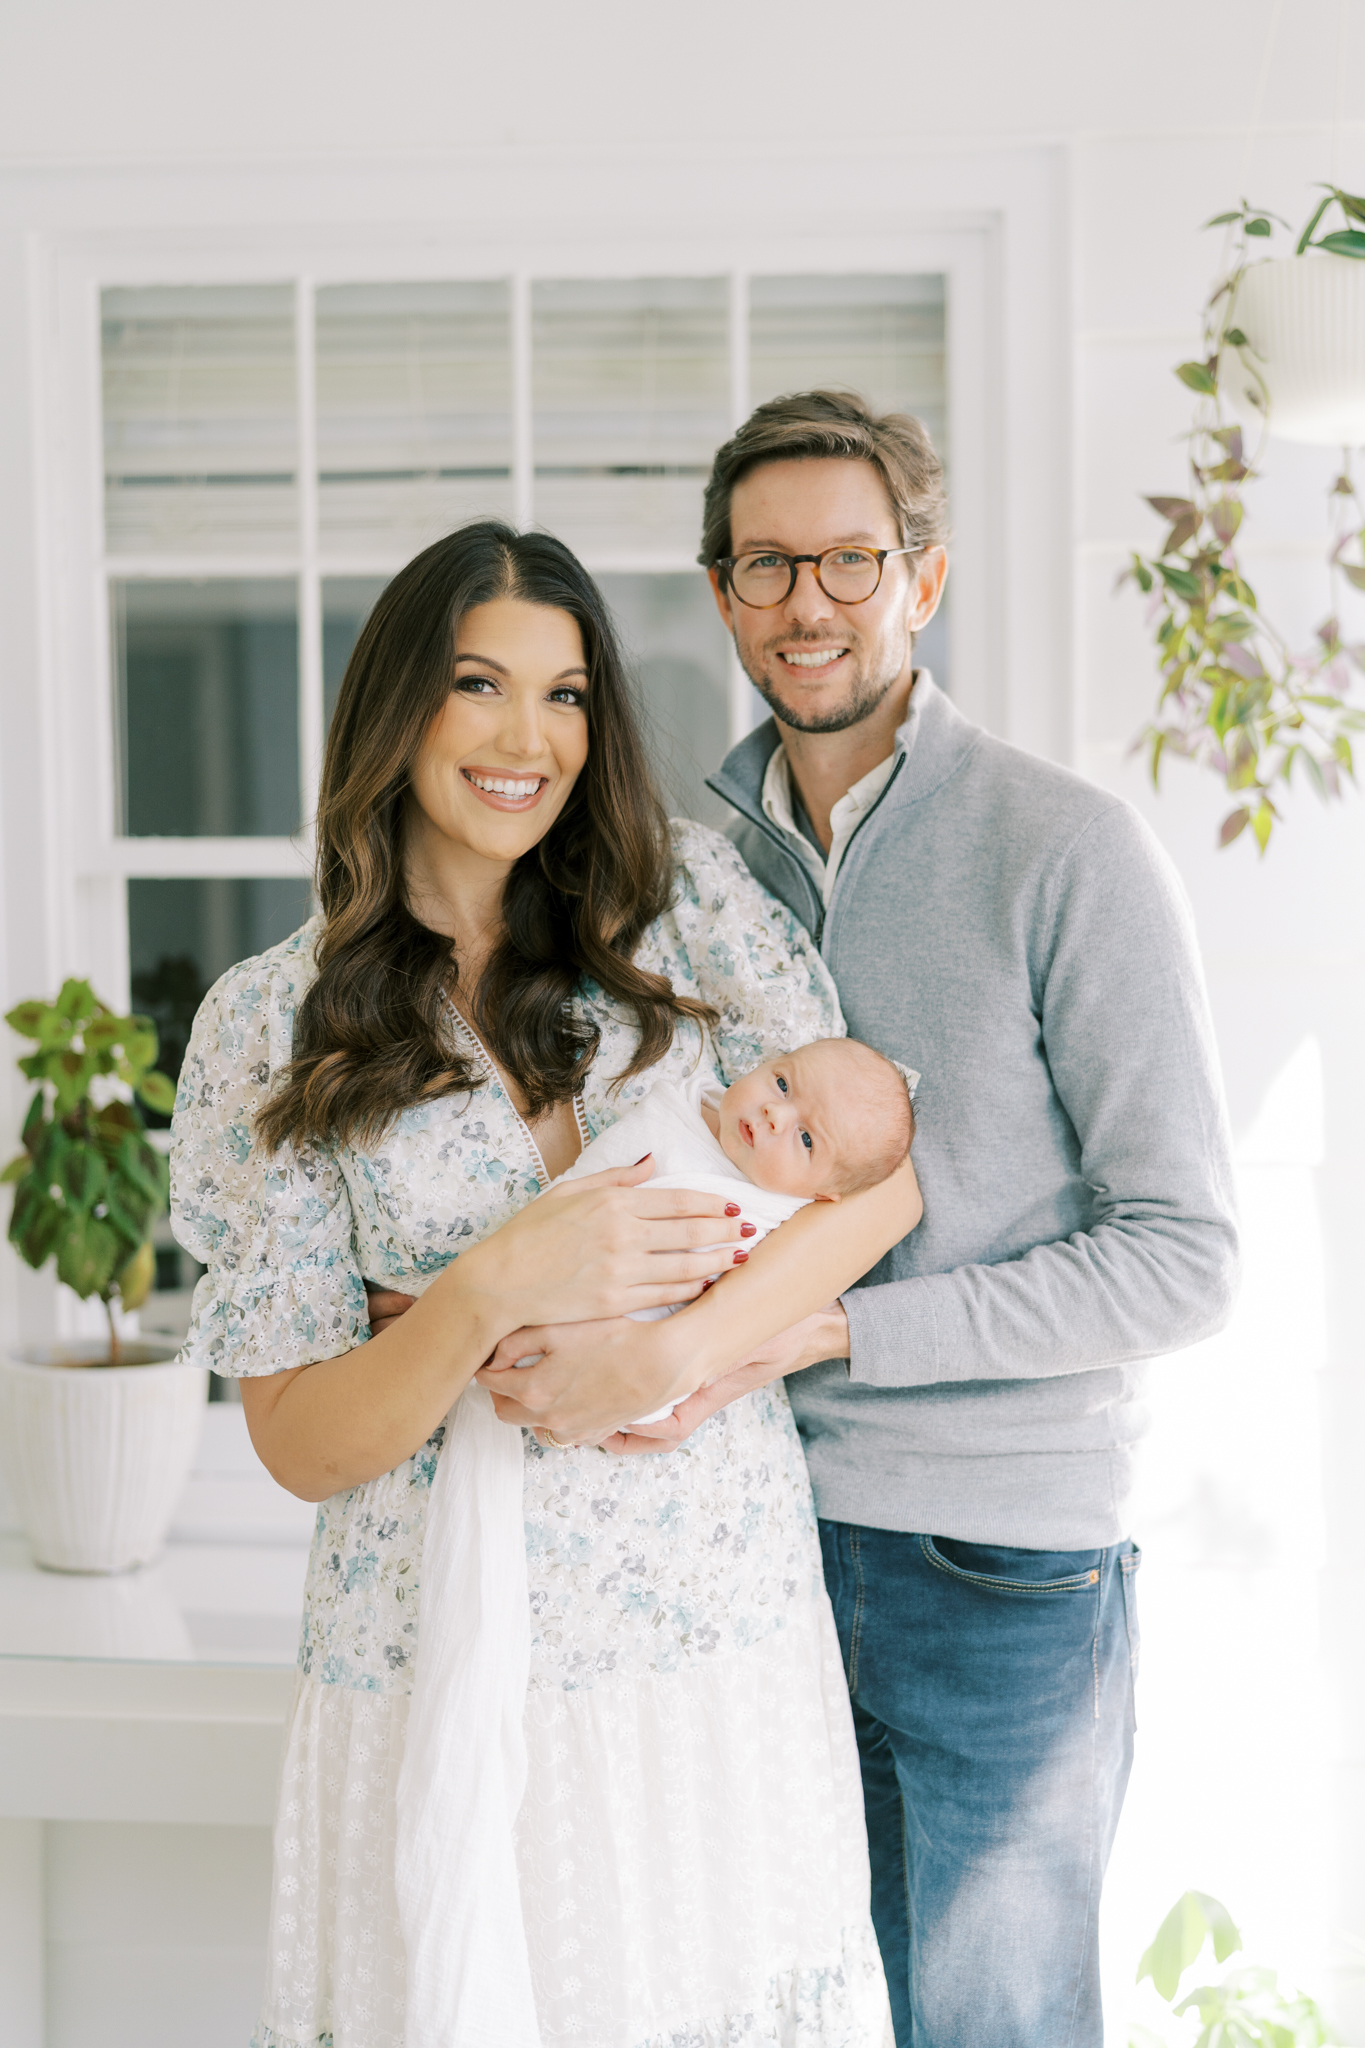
(1236, 697)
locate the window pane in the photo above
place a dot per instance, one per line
(200, 420)
(630, 383)
(183, 934)
(347, 602)
(414, 413)
(881, 336)
(209, 707)
(680, 654)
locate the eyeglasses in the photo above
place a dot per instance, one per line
(765, 577)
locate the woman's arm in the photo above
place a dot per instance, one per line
(592, 1248)
(593, 1378)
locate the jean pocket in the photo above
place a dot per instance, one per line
(1000, 1568)
(1128, 1571)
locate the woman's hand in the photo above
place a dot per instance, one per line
(594, 1249)
(588, 1378)
(814, 1338)
(386, 1306)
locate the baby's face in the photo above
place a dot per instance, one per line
(785, 1125)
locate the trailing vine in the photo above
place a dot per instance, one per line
(1236, 698)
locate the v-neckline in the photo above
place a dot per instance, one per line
(489, 1065)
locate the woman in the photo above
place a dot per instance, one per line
(509, 952)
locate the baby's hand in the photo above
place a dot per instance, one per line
(386, 1305)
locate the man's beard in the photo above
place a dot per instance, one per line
(864, 696)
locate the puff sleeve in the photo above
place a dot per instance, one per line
(735, 946)
(275, 1230)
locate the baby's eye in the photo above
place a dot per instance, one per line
(780, 1082)
(805, 1140)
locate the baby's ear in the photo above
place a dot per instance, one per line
(828, 1198)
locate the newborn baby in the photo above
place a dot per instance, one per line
(827, 1120)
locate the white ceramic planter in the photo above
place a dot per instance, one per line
(96, 1456)
(1305, 318)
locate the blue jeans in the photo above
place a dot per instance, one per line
(993, 1699)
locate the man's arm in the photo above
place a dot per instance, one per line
(1129, 1041)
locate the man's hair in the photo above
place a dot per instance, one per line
(809, 424)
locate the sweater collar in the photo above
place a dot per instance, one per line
(931, 743)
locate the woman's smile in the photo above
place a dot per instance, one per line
(502, 792)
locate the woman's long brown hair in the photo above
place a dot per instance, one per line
(371, 1036)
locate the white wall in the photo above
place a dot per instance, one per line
(1099, 137)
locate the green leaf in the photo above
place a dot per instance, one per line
(77, 1000)
(1259, 226)
(1194, 1916)
(140, 1043)
(102, 1032)
(128, 1211)
(135, 1277)
(1262, 824)
(1353, 573)
(1220, 220)
(1158, 748)
(87, 1254)
(136, 1168)
(1235, 337)
(27, 1018)
(50, 1155)
(35, 1121)
(1306, 237)
(83, 1174)
(1198, 376)
(35, 1222)
(1351, 204)
(1181, 582)
(72, 1073)
(16, 1170)
(1225, 517)
(158, 1092)
(1234, 823)
(1350, 242)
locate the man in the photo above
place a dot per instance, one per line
(969, 1409)
(1016, 935)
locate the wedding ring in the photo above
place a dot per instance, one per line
(551, 1438)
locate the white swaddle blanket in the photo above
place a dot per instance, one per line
(464, 1764)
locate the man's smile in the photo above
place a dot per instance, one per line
(812, 657)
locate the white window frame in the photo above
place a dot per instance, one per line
(993, 223)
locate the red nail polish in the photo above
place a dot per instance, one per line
(748, 1230)
(738, 1260)
(645, 1155)
(732, 1208)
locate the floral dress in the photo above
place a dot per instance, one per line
(691, 1850)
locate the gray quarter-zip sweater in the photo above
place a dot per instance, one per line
(1018, 936)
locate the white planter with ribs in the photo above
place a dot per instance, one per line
(96, 1456)
(1304, 318)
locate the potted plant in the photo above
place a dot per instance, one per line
(1283, 351)
(97, 1439)
(1246, 2008)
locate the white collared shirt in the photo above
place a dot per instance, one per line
(844, 819)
